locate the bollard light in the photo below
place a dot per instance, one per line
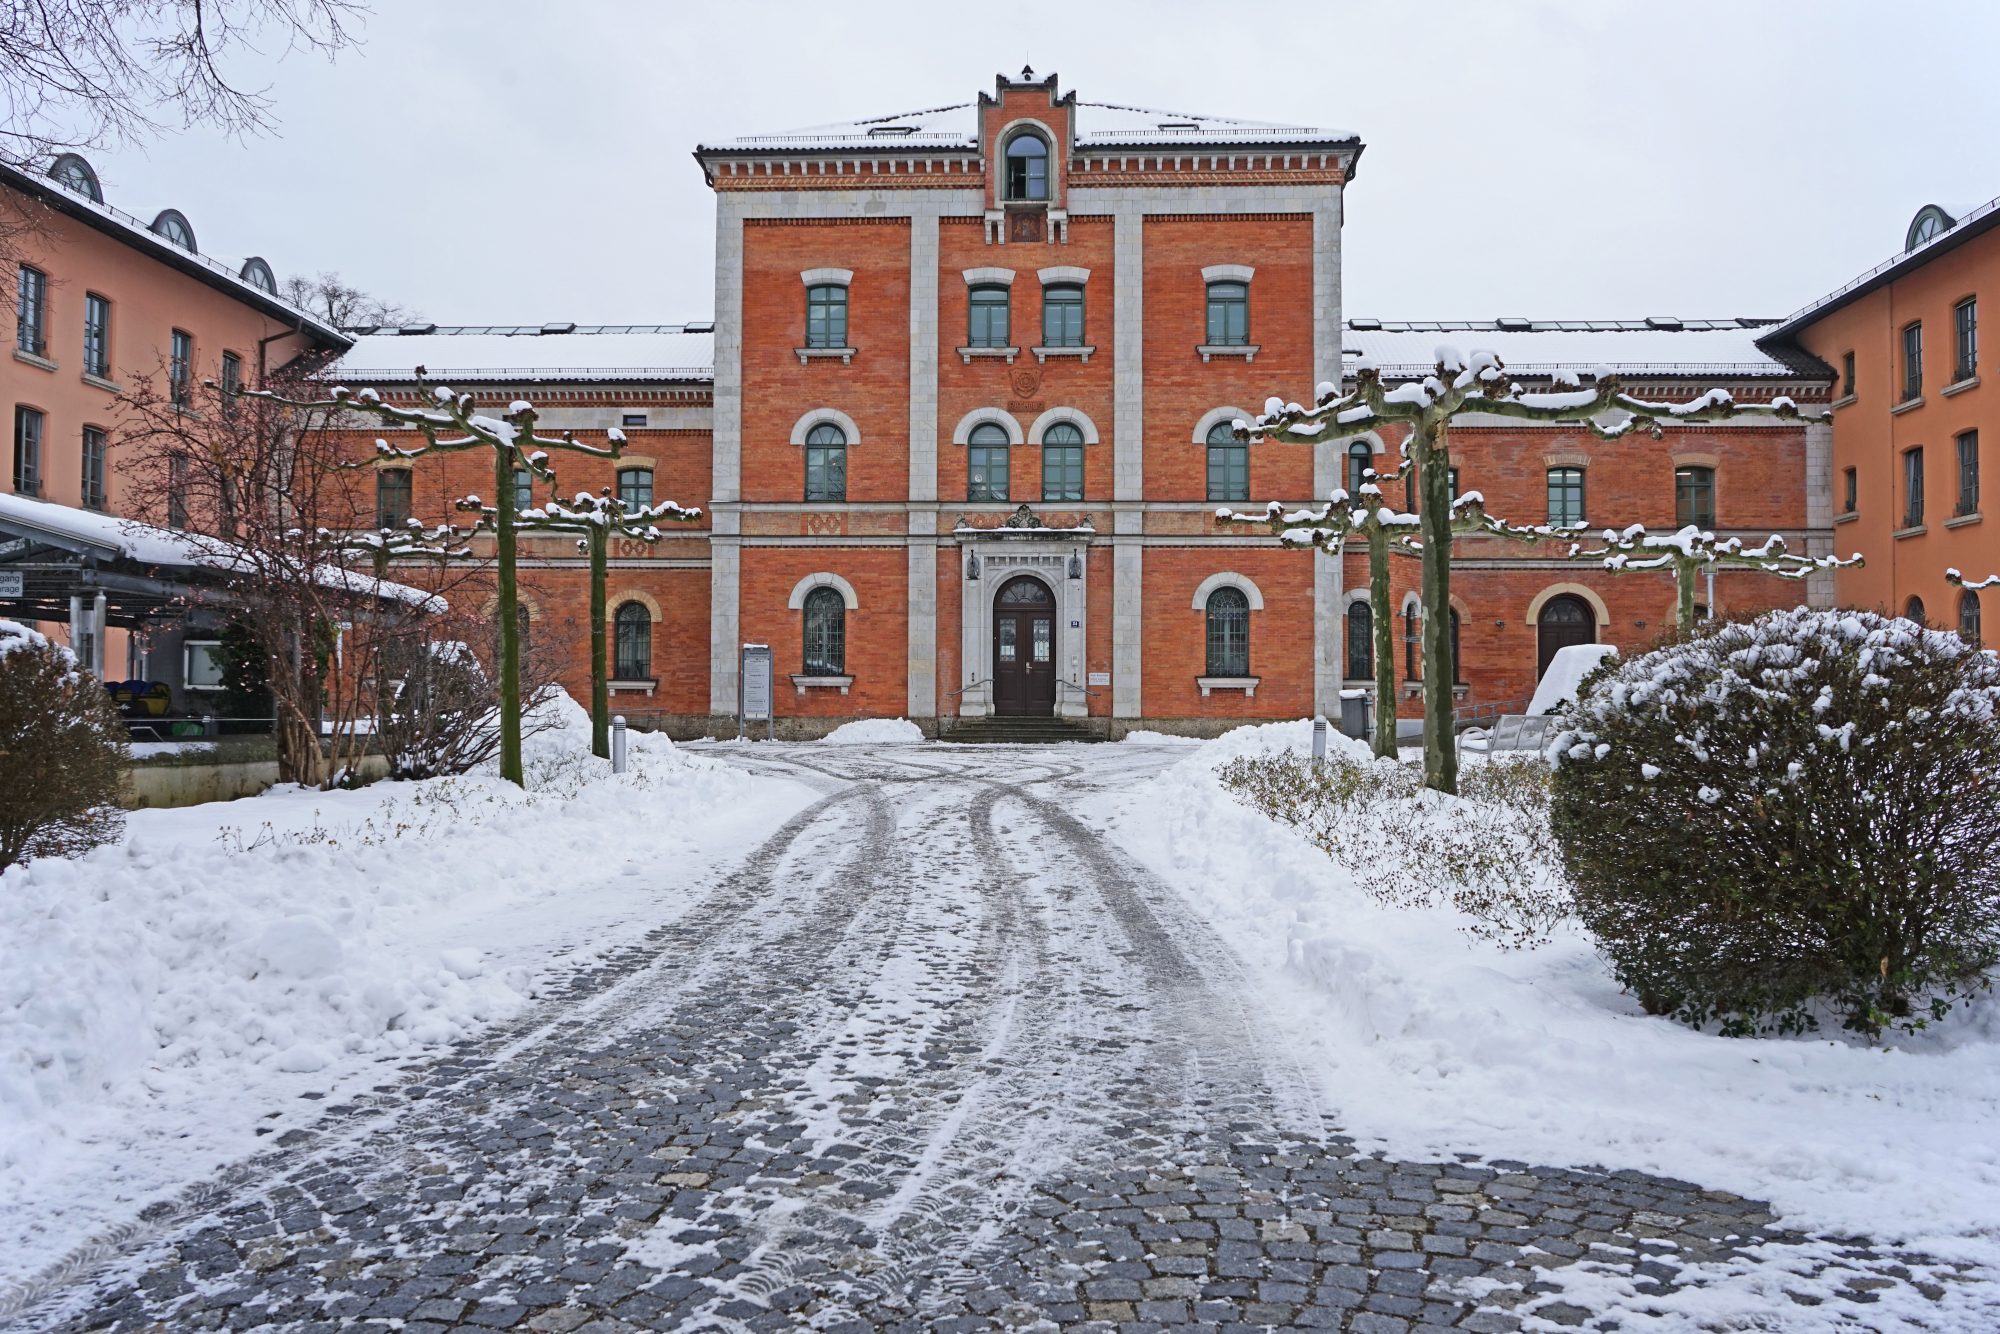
(618, 743)
(1319, 741)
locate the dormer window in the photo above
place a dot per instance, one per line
(76, 174)
(172, 227)
(1027, 167)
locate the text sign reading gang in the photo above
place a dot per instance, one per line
(756, 683)
(13, 584)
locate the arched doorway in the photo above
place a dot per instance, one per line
(1024, 649)
(1566, 619)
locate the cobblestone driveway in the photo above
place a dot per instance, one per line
(936, 1057)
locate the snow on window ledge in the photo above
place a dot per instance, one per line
(1907, 405)
(1848, 517)
(805, 354)
(1210, 684)
(99, 382)
(29, 358)
(1210, 351)
(1914, 530)
(1960, 520)
(632, 684)
(1044, 353)
(1960, 386)
(1844, 401)
(968, 353)
(803, 683)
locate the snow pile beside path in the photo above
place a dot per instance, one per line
(1567, 669)
(1434, 1043)
(875, 732)
(159, 995)
(1142, 737)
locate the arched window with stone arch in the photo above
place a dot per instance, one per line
(1062, 461)
(632, 636)
(1360, 458)
(1027, 158)
(826, 463)
(1968, 617)
(1228, 464)
(1228, 619)
(986, 462)
(1913, 610)
(825, 633)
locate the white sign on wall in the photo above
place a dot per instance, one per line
(13, 584)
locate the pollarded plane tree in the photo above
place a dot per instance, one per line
(1958, 580)
(595, 520)
(1686, 553)
(450, 423)
(1426, 408)
(1328, 528)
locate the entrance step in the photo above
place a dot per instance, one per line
(1040, 731)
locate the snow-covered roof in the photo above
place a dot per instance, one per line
(681, 352)
(1968, 223)
(112, 538)
(1098, 125)
(141, 236)
(1657, 346)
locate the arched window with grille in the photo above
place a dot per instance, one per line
(1413, 641)
(1228, 464)
(632, 635)
(986, 463)
(1913, 610)
(826, 463)
(825, 633)
(1360, 458)
(1360, 641)
(1228, 618)
(1968, 617)
(1062, 462)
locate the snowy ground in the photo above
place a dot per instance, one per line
(884, 1032)
(175, 1001)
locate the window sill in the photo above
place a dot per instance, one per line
(1915, 530)
(1849, 517)
(968, 353)
(1210, 351)
(646, 684)
(28, 358)
(1961, 520)
(804, 683)
(1960, 386)
(1210, 684)
(1080, 353)
(99, 382)
(1844, 401)
(1907, 405)
(806, 354)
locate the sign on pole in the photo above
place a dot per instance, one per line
(754, 698)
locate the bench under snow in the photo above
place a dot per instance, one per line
(1533, 730)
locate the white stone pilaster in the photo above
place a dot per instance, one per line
(1329, 625)
(726, 475)
(923, 626)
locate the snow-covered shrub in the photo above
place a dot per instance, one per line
(1486, 852)
(1796, 811)
(62, 752)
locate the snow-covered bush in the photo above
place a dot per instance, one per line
(1485, 852)
(62, 752)
(1791, 812)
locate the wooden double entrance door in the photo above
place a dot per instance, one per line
(1024, 649)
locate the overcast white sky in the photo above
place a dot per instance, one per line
(515, 161)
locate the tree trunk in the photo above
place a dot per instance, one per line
(1684, 597)
(1432, 451)
(1385, 640)
(510, 620)
(600, 693)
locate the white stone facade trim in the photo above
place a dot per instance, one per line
(1063, 273)
(1228, 579)
(1216, 417)
(825, 277)
(1074, 416)
(825, 417)
(1228, 273)
(989, 277)
(1001, 557)
(823, 579)
(962, 433)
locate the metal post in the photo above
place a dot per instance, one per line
(208, 724)
(1319, 741)
(618, 743)
(98, 614)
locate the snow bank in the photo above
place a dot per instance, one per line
(1432, 1043)
(1567, 669)
(875, 732)
(1142, 737)
(160, 995)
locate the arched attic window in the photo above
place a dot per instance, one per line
(173, 227)
(258, 274)
(76, 174)
(1027, 159)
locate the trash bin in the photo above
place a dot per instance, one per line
(1354, 714)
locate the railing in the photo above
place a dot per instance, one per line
(969, 685)
(1473, 715)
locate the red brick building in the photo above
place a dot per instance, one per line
(962, 423)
